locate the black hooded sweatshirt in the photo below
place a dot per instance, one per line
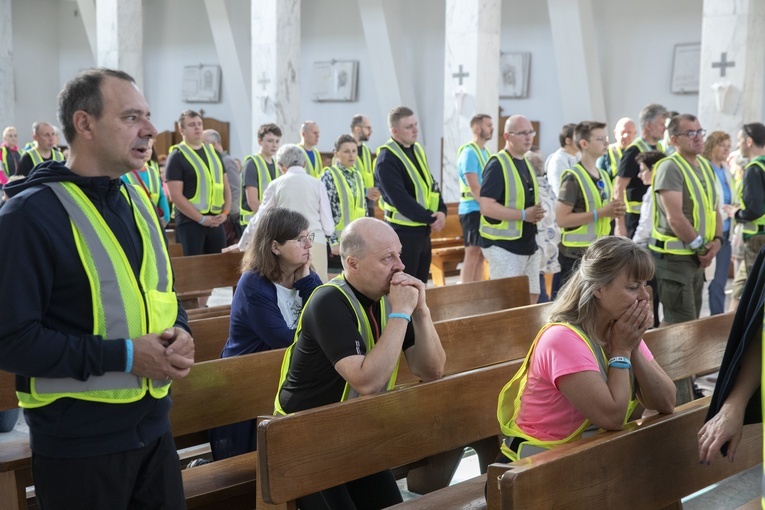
(47, 317)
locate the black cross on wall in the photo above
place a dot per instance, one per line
(723, 64)
(460, 75)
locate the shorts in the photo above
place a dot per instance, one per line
(680, 281)
(470, 223)
(503, 264)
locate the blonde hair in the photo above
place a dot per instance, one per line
(603, 261)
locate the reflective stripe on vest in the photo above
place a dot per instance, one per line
(264, 179)
(509, 404)
(756, 226)
(515, 198)
(55, 155)
(704, 211)
(352, 203)
(313, 169)
(364, 329)
(364, 165)
(123, 307)
(152, 183)
(209, 196)
(4, 166)
(585, 235)
(615, 157)
(423, 184)
(466, 195)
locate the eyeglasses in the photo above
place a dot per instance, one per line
(523, 134)
(694, 133)
(304, 241)
(601, 139)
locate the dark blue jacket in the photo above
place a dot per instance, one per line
(47, 323)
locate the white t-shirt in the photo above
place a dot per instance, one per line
(290, 304)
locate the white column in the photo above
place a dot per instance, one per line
(228, 56)
(120, 36)
(276, 66)
(471, 83)
(732, 74)
(388, 56)
(87, 10)
(576, 58)
(7, 92)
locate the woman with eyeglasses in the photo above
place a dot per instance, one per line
(585, 204)
(277, 279)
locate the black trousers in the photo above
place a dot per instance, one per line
(149, 477)
(372, 492)
(415, 251)
(197, 239)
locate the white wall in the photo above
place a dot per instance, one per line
(635, 41)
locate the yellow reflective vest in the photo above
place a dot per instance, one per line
(365, 167)
(364, 328)
(515, 198)
(633, 207)
(756, 226)
(264, 179)
(424, 189)
(465, 194)
(614, 158)
(313, 169)
(704, 207)
(153, 184)
(594, 198)
(209, 196)
(509, 405)
(123, 306)
(55, 155)
(351, 199)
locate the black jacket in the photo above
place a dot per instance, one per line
(747, 328)
(48, 317)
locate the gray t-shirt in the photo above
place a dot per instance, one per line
(670, 178)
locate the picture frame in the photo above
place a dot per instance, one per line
(334, 81)
(686, 66)
(514, 70)
(201, 84)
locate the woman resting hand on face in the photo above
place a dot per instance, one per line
(588, 368)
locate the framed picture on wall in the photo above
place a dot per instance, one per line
(201, 84)
(334, 80)
(686, 66)
(514, 75)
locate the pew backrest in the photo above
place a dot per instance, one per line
(204, 272)
(453, 301)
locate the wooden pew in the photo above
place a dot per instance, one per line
(230, 390)
(649, 465)
(447, 247)
(682, 350)
(445, 303)
(197, 275)
(409, 424)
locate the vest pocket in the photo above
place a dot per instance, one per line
(162, 309)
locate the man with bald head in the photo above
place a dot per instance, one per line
(624, 134)
(9, 152)
(309, 139)
(377, 311)
(45, 149)
(510, 208)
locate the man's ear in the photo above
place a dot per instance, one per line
(352, 262)
(82, 121)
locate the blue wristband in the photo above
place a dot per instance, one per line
(128, 355)
(620, 362)
(523, 214)
(400, 316)
(594, 215)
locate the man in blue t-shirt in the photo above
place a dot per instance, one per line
(471, 159)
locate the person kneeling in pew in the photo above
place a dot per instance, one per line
(348, 343)
(588, 368)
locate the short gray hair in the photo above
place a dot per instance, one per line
(290, 155)
(211, 136)
(650, 112)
